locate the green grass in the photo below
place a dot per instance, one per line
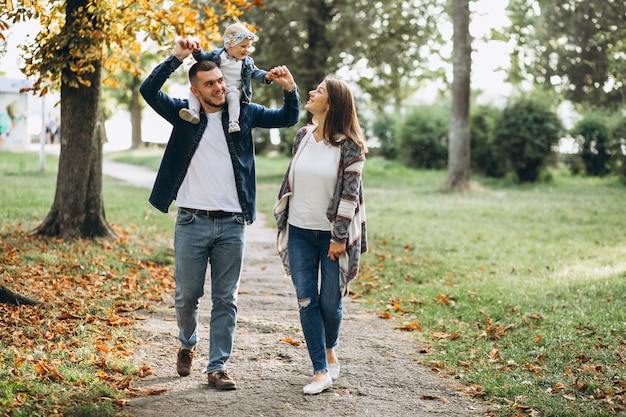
(73, 367)
(517, 290)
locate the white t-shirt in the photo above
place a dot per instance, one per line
(210, 180)
(315, 173)
(231, 69)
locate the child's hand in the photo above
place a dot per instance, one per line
(283, 77)
(194, 44)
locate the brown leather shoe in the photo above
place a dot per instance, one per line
(184, 361)
(222, 380)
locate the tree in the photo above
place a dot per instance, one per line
(459, 140)
(575, 47)
(124, 92)
(79, 39)
(381, 43)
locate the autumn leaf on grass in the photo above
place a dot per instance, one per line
(395, 304)
(445, 335)
(475, 391)
(494, 355)
(533, 368)
(100, 346)
(558, 387)
(445, 300)
(414, 325)
(526, 409)
(114, 320)
(496, 332)
(290, 341)
(46, 370)
(384, 315)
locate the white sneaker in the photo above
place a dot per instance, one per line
(333, 370)
(189, 115)
(233, 127)
(317, 387)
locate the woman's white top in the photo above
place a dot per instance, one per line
(314, 181)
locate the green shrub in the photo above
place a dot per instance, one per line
(524, 136)
(593, 137)
(483, 158)
(383, 129)
(619, 142)
(422, 140)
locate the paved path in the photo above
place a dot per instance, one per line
(133, 174)
(379, 376)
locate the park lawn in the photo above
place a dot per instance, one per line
(72, 355)
(517, 290)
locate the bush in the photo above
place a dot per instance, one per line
(383, 129)
(592, 134)
(524, 136)
(483, 158)
(422, 140)
(619, 142)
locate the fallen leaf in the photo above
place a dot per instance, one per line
(290, 341)
(414, 325)
(434, 397)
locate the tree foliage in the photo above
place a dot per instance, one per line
(576, 47)
(114, 32)
(384, 43)
(79, 41)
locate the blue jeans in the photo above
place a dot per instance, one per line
(319, 299)
(220, 242)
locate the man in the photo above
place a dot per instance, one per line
(211, 175)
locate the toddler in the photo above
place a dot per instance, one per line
(238, 69)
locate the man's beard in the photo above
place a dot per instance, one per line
(213, 104)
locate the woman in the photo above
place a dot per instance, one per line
(321, 221)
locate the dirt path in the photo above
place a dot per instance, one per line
(378, 375)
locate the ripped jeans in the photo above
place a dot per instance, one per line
(316, 280)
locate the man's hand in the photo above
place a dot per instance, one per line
(282, 77)
(184, 47)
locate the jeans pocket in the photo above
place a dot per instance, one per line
(184, 217)
(239, 219)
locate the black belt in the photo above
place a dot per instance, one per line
(217, 214)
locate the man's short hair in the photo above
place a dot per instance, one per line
(198, 67)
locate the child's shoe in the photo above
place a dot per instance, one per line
(233, 127)
(189, 115)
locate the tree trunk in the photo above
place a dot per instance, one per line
(78, 207)
(315, 67)
(135, 114)
(459, 140)
(10, 297)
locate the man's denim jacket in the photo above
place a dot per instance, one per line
(248, 71)
(185, 138)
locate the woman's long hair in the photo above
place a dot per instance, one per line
(341, 118)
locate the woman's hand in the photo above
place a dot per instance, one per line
(335, 250)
